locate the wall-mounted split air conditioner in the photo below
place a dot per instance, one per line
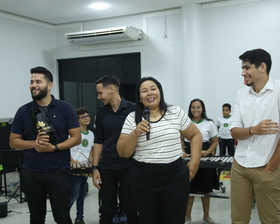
(109, 35)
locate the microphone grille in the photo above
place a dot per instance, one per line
(146, 110)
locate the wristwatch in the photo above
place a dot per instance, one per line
(94, 168)
(56, 149)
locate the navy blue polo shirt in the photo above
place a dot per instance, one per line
(108, 128)
(62, 117)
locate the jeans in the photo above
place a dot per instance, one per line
(56, 184)
(78, 186)
(111, 179)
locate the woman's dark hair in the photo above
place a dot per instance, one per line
(140, 106)
(203, 114)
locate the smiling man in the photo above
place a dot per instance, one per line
(46, 165)
(111, 171)
(255, 171)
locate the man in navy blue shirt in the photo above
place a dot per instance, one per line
(46, 166)
(110, 170)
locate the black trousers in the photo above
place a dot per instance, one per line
(111, 179)
(37, 185)
(226, 144)
(160, 191)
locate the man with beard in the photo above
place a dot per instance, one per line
(46, 163)
(255, 170)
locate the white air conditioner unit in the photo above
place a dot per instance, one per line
(116, 34)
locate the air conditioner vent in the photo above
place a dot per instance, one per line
(125, 33)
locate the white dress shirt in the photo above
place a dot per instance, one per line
(249, 110)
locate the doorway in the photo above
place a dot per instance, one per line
(77, 77)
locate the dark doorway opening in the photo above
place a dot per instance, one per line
(77, 77)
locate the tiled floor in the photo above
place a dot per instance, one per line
(219, 209)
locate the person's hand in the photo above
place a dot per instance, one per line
(42, 143)
(75, 162)
(269, 168)
(185, 155)
(265, 127)
(41, 146)
(42, 137)
(193, 168)
(90, 160)
(204, 153)
(142, 128)
(96, 179)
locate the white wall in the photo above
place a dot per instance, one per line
(227, 32)
(24, 44)
(160, 57)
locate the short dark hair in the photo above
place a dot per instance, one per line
(109, 80)
(227, 105)
(256, 57)
(41, 70)
(203, 114)
(140, 106)
(81, 110)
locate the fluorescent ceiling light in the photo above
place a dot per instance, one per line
(99, 6)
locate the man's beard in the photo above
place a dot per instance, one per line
(42, 94)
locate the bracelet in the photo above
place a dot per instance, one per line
(250, 131)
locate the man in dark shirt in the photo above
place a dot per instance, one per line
(46, 167)
(110, 170)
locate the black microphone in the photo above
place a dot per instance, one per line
(147, 118)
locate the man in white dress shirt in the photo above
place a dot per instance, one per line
(255, 171)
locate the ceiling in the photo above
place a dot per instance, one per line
(68, 11)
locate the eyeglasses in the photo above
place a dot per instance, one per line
(198, 108)
(84, 117)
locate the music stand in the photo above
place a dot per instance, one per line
(12, 159)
